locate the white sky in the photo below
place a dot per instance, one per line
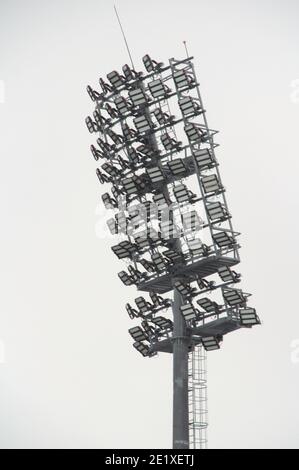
(70, 377)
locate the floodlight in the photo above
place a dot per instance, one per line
(204, 284)
(130, 74)
(194, 133)
(104, 146)
(116, 138)
(96, 153)
(155, 174)
(131, 311)
(137, 334)
(111, 170)
(122, 105)
(112, 225)
(126, 279)
(142, 348)
(138, 97)
(182, 79)
(177, 166)
(100, 120)
(162, 322)
(182, 194)
(135, 274)
(142, 305)
(147, 151)
(124, 164)
(185, 290)
(151, 65)
(159, 301)
(91, 125)
(204, 158)
(93, 94)
(102, 177)
(208, 305)
(124, 249)
(189, 106)
(158, 89)
(197, 248)
(111, 111)
(108, 201)
(173, 256)
(149, 330)
(163, 118)
(222, 239)
(148, 266)
(159, 262)
(211, 184)
(142, 124)
(116, 191)
(169, 143)
(227, 275)
(105, 86)
(217, 211)
(115, 79)
(210, 343)
(133, 155)
(248, 317)
(189, 312)
(131, 185)
(128, 132)
(234, 297)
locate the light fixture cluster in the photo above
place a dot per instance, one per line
(169, 236)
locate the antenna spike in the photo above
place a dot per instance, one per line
(124, 36)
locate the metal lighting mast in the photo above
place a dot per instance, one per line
(153, 140)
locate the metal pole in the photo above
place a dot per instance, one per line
(181, 343)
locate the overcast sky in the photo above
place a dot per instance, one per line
(69, 375)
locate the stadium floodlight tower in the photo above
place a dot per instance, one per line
(153, 141)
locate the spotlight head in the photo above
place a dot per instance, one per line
(142, 124)
(158, 89)
(122, 106)
(204, 158)
(91, 125)
(138, 97)
(155, 175)
(188, 106)
(142, 348)
(248, 317)
(116, 80)
(126, 279)
(189, 312)
(182, 79)
(217, 212)
(227, 275)
(151, 65)
(223, 240)
(234, 297)
(138, 334)
(208, 305)
(211, 184)
(210, 343)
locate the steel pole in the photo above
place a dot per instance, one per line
(181, 342)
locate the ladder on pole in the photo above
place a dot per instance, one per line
(197, 389)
